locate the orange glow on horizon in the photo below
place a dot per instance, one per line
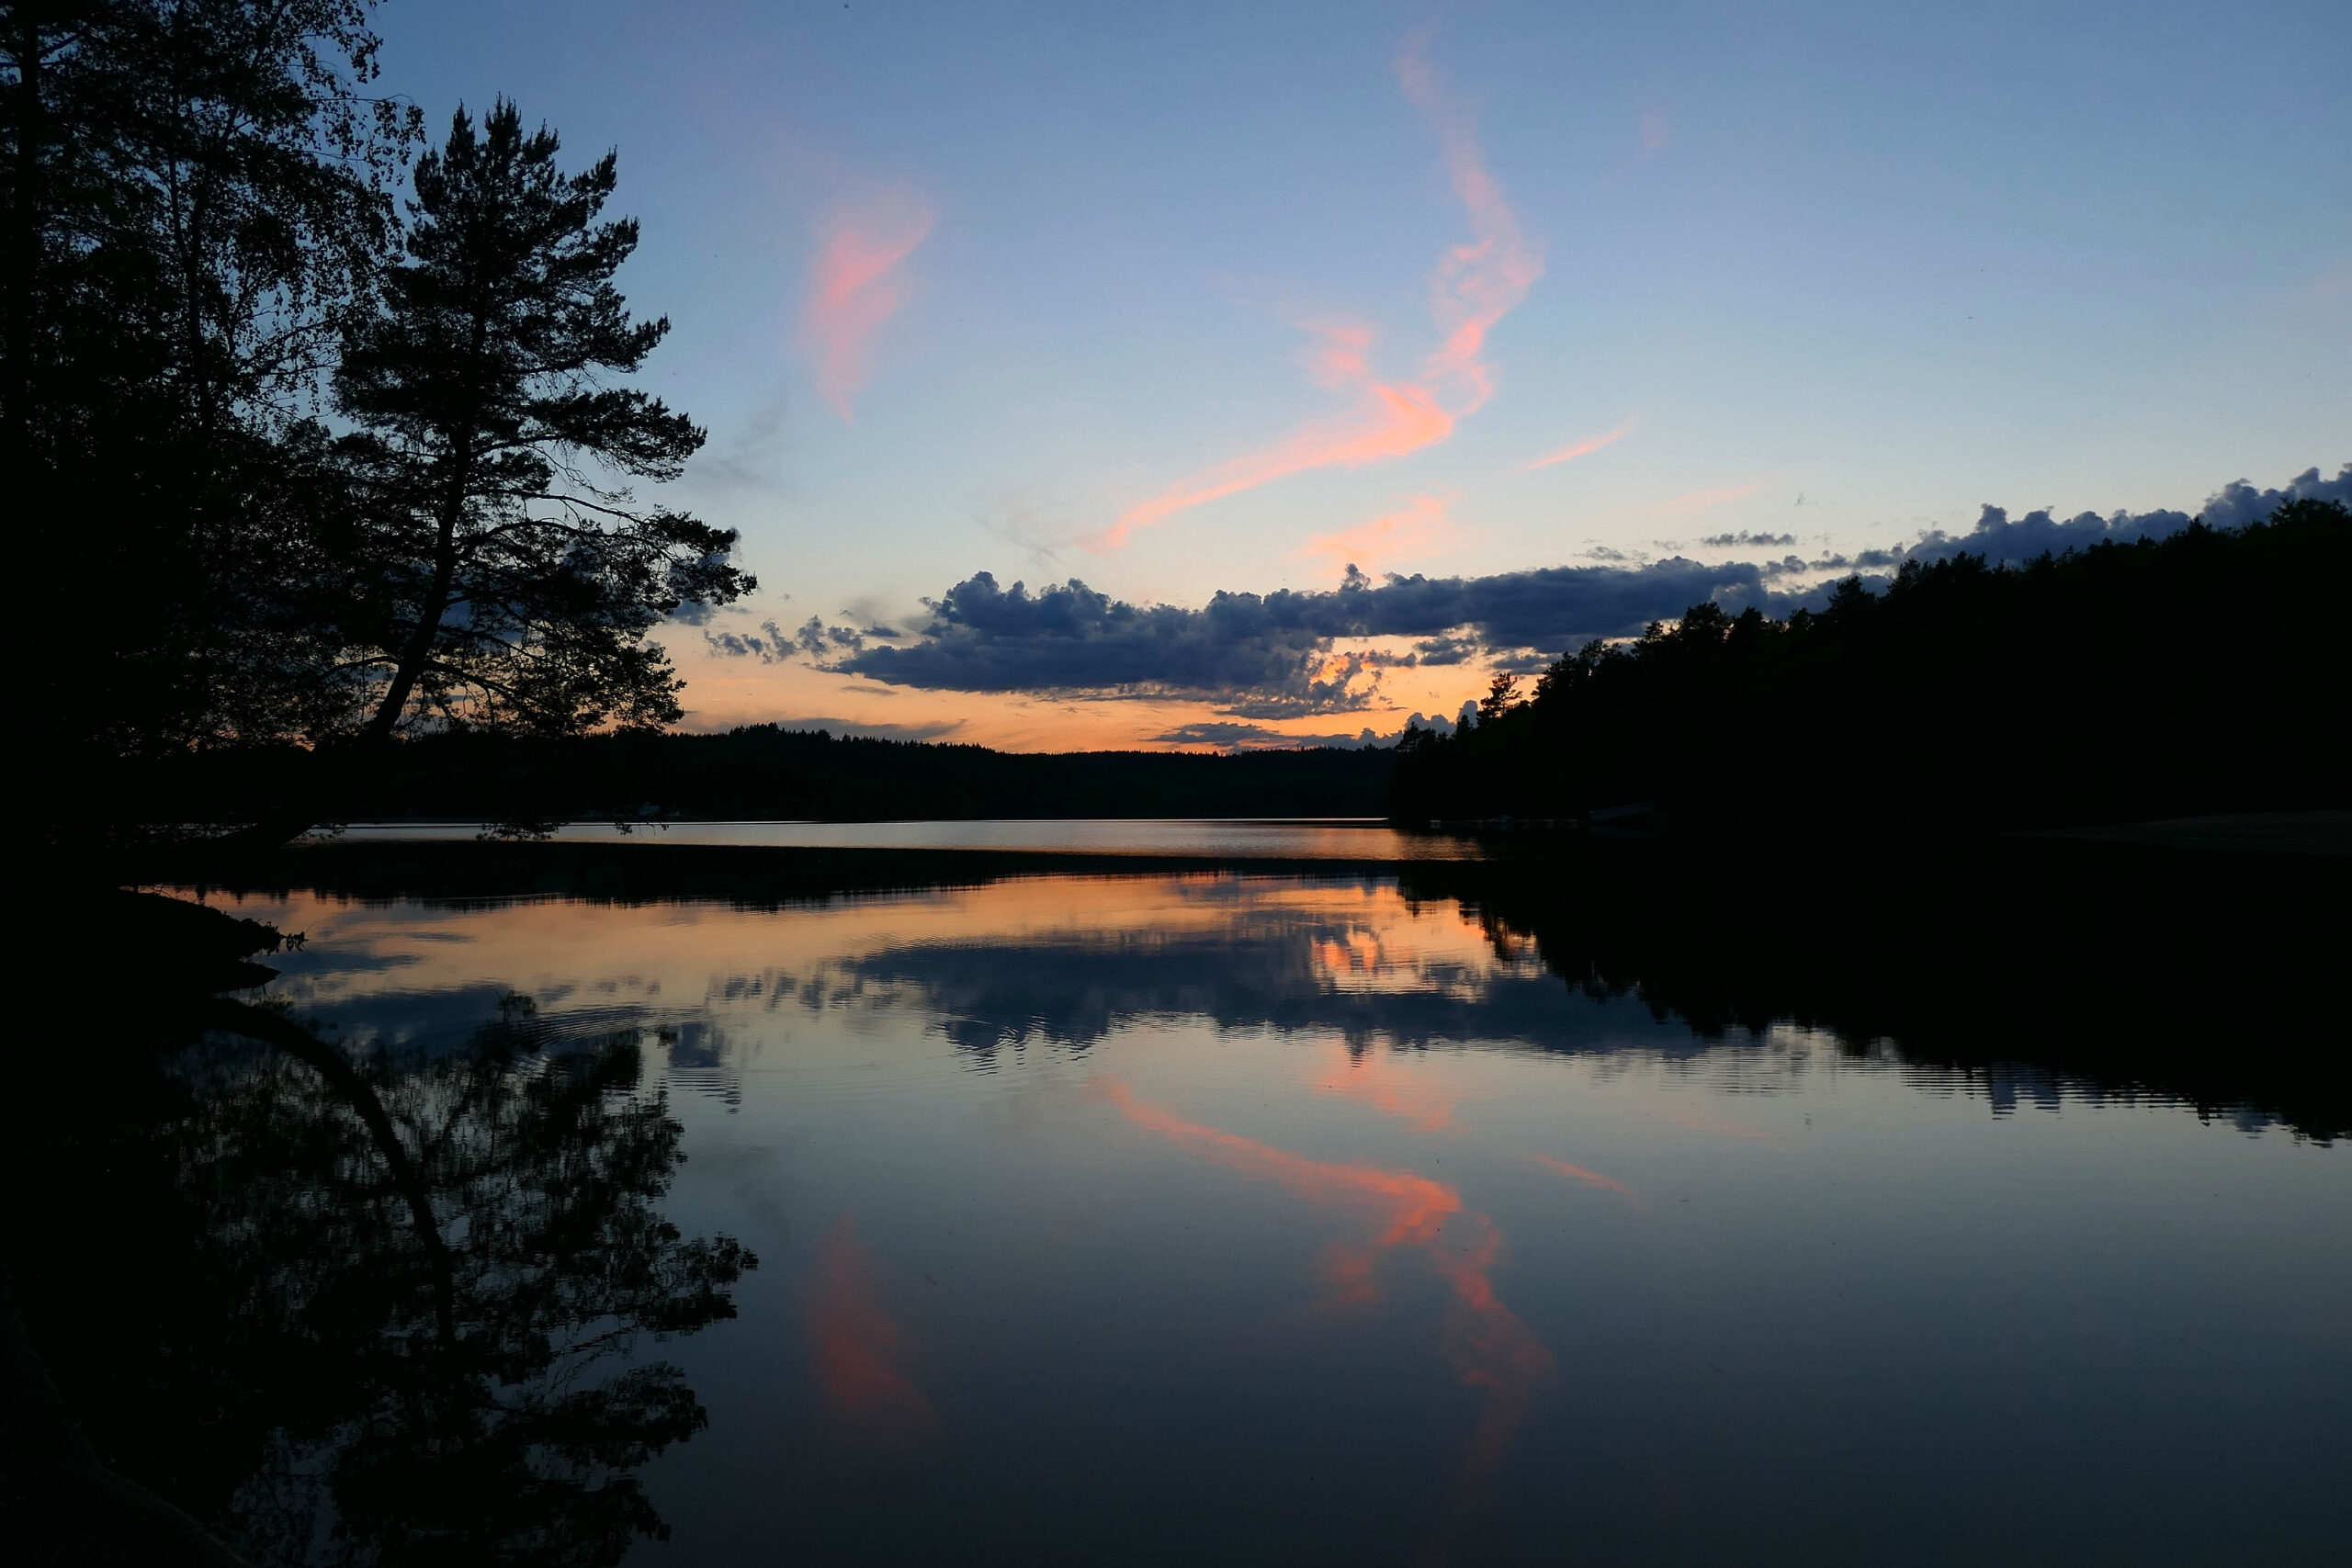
(855, 287)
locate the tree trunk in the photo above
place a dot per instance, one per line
(319, 802)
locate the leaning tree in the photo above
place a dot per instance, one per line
(497, 572)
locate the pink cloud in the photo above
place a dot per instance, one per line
(856, 285)
(1474, 284)
(1700, 499)
(1421, 529)
(1578, 449)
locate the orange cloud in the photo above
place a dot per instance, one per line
(1486, 1344)
(1421, 529)
(862, 1351)
(1479, 283)
(1581, 448)
(1474, 284)
(856, 285)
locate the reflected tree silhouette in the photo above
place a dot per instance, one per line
(2174, 975)
(421, 1283)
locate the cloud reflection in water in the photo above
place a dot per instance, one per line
(1487, 1344)
(862, 1353)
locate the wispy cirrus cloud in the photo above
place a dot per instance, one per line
(1421, 530)
(1474, 284)
(1576, 449)
(856, 283)
(1700, 499)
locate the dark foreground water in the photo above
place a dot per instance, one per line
(1186, 1218)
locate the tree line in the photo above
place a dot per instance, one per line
(315, 435)
(763, 773)
(2205, 671)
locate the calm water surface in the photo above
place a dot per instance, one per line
(1233, 1219)
(1359, 838)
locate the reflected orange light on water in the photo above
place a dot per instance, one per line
(1590, 1178)
(1414, 1094)
(1485, 1343)
(862, 1351)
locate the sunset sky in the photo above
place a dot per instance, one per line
(1580, 313)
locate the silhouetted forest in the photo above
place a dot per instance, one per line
(761, 772)
(320, 435)
(2207, 672)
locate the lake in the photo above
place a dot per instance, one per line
(1189, 1217)
(1349, 838)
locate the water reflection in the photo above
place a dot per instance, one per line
(1375, 1217)
(863, 1355)
(405, 1295)
(1486, 1344)
(1337, 839)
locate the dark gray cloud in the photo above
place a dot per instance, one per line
(2009, 542)
(2239, 503)
(1733, 541)
(1441, 724)
(1446, 651)
(1270, 656)
(1258, 737)
(770, 645)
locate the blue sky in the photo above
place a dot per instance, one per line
(1897, 261)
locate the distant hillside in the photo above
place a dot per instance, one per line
(763, 773)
